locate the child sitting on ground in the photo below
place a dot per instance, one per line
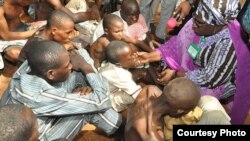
(123, 89)
(113, 30)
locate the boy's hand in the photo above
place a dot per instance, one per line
(83, 90)
(90, 3)
(79, 63)
(69, 46)
(94, 13)
(166, 76)
(143, 57)
(36, 25)
(154, 91)
(128, 39)
(74, 34)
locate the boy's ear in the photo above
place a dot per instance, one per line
(105, 31)
(118, 64)
(53, 29)
(50, 74)
(180, 111)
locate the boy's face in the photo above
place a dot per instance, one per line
(130, 14)
(127, 58)
(63, 71)
(115, 30)
(64, 33)
(132, 18)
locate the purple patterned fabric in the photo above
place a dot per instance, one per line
(174, 51)
(174, 54)
(241, 103)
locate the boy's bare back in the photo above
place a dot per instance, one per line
(96, 50)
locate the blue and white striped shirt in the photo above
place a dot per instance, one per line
(48, 101)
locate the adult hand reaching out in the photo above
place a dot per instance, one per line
(184, 9)
(94, 13)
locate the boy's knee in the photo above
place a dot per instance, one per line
(112, 130)
(109, 121)
(12, 54)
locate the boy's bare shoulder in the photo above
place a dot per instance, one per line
(102, 39)
(101, 42)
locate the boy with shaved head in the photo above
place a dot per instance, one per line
(60, 28)
(179, 97)
(45, 83)
(123, 89)
(17, 122)
(113, 30)
(113, 27)
(133, 21)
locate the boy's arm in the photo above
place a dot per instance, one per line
(140, 118)
(47, 100)
(143, 46)
(55, 102)
(91, 14)
(97, 51)
(121, 79)
(7, 35)
(145, 57)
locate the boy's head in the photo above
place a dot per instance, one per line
(130, 11)
(182, 95)
(113, 27)
(119, 53)
(18, 122)
(61, 26)
(50, 61)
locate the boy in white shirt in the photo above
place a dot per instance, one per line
(123, 89)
